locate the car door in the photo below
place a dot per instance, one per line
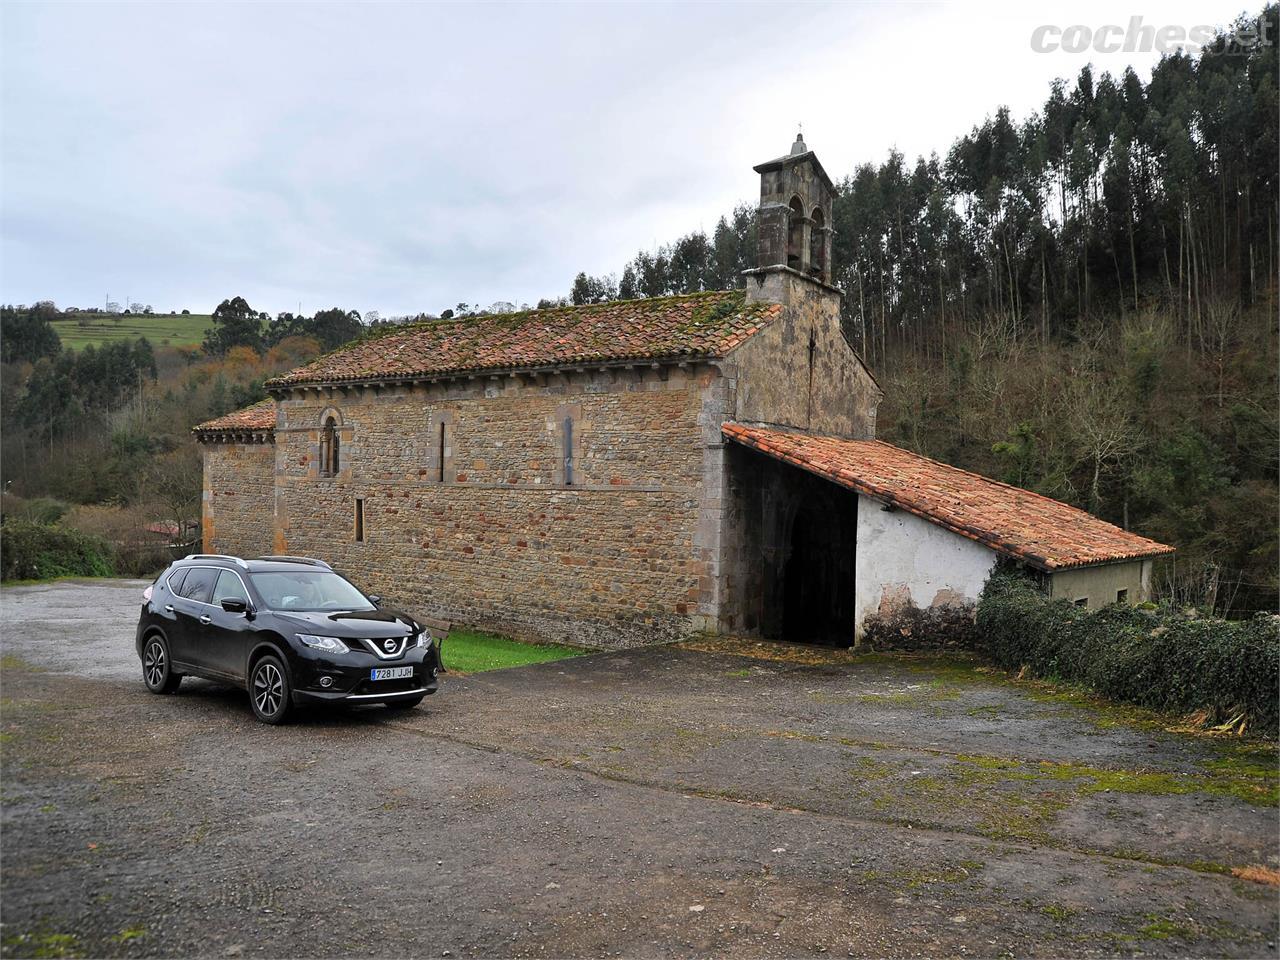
(191, 612)
(226, 636)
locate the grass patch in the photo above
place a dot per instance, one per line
(912, 878)
(468, 652)
(916, 695)
(130, 933)
(175, 330)
(868, 769)
(1246, 780)
(1162, 928)
(42, 945)
(1259, 791)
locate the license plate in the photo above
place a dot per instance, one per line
(391, 673)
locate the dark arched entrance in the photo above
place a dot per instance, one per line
(818, 574)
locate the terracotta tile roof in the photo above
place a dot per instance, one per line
(686, 327)
(256, 418)
(1045, 533)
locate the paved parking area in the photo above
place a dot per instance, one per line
(718, 799)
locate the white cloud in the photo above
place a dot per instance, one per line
(402, 157)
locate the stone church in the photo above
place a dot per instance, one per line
(626, 472)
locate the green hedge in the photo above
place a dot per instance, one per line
(37, 551)
(1162, 659)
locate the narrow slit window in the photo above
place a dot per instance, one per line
(1081, 601)
(440, 455)
(568, 451)
(359, 520)
(329, 456)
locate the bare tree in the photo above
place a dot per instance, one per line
(173, 480)
(1100, 423)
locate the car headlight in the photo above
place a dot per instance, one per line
(323, 644)
(424, 639)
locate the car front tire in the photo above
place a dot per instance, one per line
(157, 667)
(270, 694)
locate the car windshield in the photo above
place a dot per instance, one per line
(308, 590)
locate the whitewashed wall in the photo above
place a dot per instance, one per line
(902, 559)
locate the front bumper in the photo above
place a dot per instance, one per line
(348, 678)
(389, 696)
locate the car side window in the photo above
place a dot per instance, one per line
(175, 582)
(198, 585)
(229, 587)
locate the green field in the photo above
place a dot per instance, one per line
(163, 330)
(467, 652)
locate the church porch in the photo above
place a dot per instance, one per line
(826, 537)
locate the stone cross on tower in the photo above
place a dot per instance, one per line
(795, 214)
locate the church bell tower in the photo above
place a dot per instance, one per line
(794, 221)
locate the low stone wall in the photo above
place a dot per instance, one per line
(949, 626)
(239, 489)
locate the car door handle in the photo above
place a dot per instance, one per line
(168, 608)
(206, 619)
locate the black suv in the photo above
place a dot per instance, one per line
(287, 629)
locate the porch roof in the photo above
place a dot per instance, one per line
(1035, 529)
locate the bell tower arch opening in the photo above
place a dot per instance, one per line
(795, 234)
(817, 245)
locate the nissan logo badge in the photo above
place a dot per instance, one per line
(389, 645)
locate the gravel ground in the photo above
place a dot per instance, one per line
(735, 800)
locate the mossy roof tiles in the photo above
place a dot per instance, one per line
(694, 326)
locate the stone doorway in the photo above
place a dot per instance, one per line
(790, 541)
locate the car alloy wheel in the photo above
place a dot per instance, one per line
(157, 670)
(154, 663)
(269, 690)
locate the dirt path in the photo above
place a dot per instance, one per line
(659, 803)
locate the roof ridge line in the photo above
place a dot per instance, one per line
(562, 335)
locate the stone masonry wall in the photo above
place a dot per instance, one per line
(236, 504)
(623, 555)
(775, 381)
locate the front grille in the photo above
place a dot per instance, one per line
(377, 649)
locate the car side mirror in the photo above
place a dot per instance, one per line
(234, 605)
(375, 600)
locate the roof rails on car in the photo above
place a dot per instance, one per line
(216, 556)
(308, 560)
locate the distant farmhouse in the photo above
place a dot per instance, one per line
(627, 472)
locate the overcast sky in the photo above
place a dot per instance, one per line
(405, 156)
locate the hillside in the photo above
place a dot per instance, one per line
(79, 330)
